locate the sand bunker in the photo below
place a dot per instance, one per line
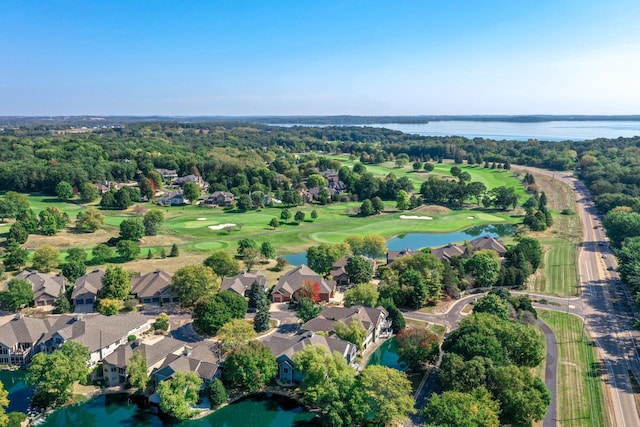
(202, 219)
(414, 217)
(471, 217)
(221, 226)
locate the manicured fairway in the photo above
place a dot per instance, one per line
(579, 384)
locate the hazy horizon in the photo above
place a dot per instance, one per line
(410, 58)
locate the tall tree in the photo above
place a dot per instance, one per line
(45, 258)
(64, 190)
(19, 293)
(116, 284)
(250, 366)
(363, 294)
(222, 263)
(89, 220)
(137, 371)
(456, 409)
(235, 333)
(191, 191)
(152, 220)
(359, 270)
(386, 393)
(192, 282)
(417, 346)
(179, 394)
(132, 229)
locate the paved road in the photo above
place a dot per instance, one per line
(550, 374)
(606, 306)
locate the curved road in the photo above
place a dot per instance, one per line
(452, 316)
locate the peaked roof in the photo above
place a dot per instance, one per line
(294, 279)
(370, 317)
(88, 285)
(393, 255)
(488, 242)
(97, 331)
(200, 359)
(152, 284)
(153, 352)
(280, 346)
(449, 251)
(243, 282)
(43, 283)
(30, 329)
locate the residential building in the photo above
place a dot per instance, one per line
(114, 366)
(393, 255)
(374, 320)
(488, 242)
(284, 349)
(46, 287)
(219, 198)
(180, 182)
(153, 288)
(172, 199)
(302, 276)
(167, 174)
(22, 337)
(102, 335)
(202, 359)
(86, 290)
(19, 338)
(242, 283)
(450, 251)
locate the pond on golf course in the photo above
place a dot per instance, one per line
(415, 241)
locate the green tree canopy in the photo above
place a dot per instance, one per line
(417, 346)
(64, 190)
(132, 229)
(19, 293)
(192, 282)
(137, 371)
(223, 264)
(53, 374)
(386, 393)
(191, 191)
(363, 294)
(116, 283)
(250, 366)
(235, 333)
(179, 394)
(45, 258)
(152, 220)
(456, 409)
(128, 249)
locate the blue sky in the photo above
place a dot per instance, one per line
(319, 57)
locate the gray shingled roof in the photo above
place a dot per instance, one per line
(88, 285)
(293, 280)
(289, 346)
(154, 284)
(43, 283)
(370, 317)
(243, 282)
(488, 242)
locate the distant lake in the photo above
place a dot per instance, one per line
(415, 241)
(544, 131)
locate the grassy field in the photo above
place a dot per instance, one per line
(580, 392)
(558, 273)
(559, 269)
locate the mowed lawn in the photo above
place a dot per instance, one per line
(580, 391)
(559, 269)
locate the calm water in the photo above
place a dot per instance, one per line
(115, 410)
(417, 241)
(545, 131)
(19, 393)
(387, 355)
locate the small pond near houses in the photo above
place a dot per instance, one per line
(116, 410)
(387, 355)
